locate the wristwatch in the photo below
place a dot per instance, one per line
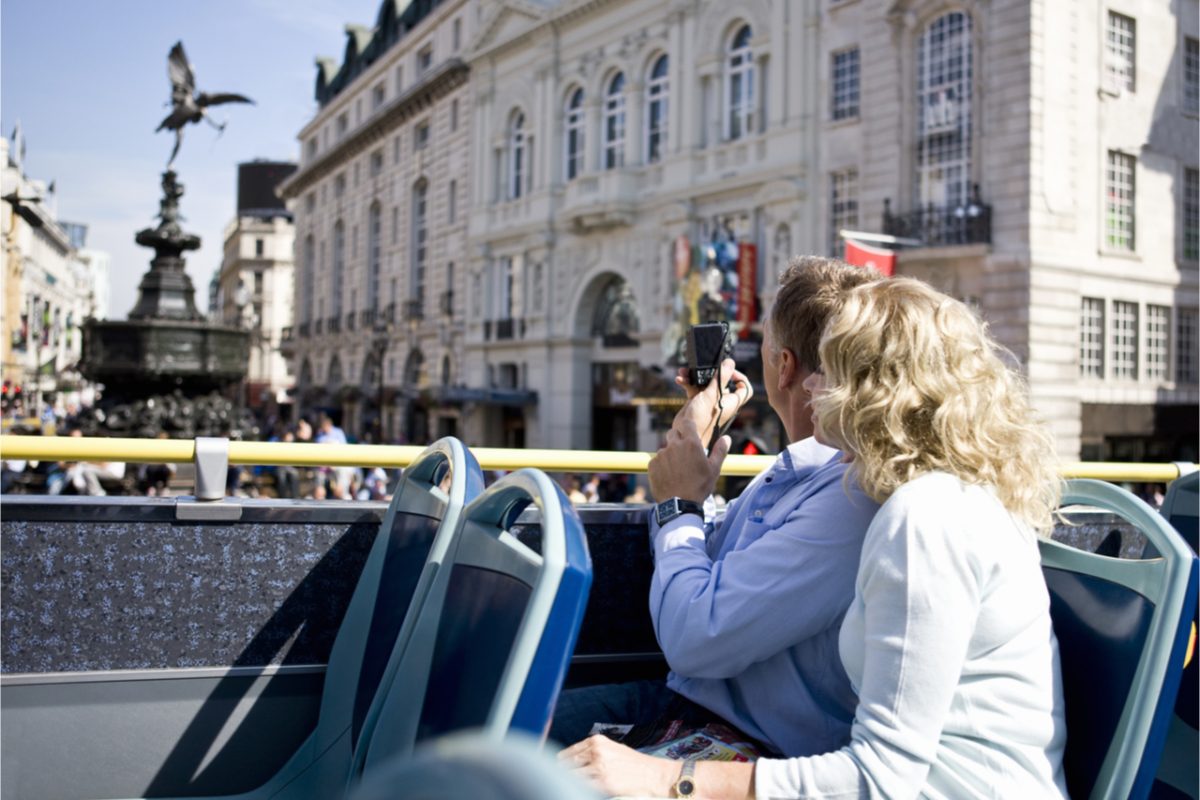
(674, 507)
(686, 785)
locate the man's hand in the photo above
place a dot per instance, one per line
(681, 468)
(713, 407)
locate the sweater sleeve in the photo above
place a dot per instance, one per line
(919, 587)
(795, 579)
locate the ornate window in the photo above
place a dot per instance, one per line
(310, 270)
(658, 90)
(419, 243)
(1185, 344)
(339, 266)
(516, 156)
(843, 206)
(1119, 52)
(573, 135)
(1091, 338)
(1158, 341)
(844, 91)
(1119, 188)
(374, 254)
(614, 122)
(945, 71)
(739, 86)
(1125, 340)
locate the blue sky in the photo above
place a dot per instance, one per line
(88, 81)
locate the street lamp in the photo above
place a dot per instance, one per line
(381, 336)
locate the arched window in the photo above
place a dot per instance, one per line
(516, 156)
(339, 266)
(306, 285)
(945, 72)
(739, 86)
(614, 122)
(374, 254)
(658, 89)
(418, 246)
(573, 140)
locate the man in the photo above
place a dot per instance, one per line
(748, 612)
(343, 477)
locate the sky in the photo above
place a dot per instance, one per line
(87, 80)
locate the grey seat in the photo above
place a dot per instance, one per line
(1122, 628)
(490, 647)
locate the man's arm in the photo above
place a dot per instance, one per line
(796, 579)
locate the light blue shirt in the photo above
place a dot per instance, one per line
(748, 614)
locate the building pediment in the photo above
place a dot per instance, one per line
(509, 20)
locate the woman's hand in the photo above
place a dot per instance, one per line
(619, 770)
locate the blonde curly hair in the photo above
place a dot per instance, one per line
(914, 384)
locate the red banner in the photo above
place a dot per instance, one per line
(861, 255)
(747, 287)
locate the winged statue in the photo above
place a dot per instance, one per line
(187, 104)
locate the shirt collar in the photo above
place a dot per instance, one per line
(804, 457)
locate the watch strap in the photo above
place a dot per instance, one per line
(685, 785)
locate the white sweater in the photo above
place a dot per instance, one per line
(949, 645)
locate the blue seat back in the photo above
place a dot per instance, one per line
(1122, 629)
(414, 537)
(491, 646)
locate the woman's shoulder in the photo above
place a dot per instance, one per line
(938, 502)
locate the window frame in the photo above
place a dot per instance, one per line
(848, 76)
(1120, 202)
(1120, 52)
(740, 116)
(516, 157)
(613, 122)
(658, 107)
(574, 134)
(1092, 342)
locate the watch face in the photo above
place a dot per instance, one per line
(685, 787)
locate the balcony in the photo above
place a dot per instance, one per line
(303, 330)
(335, 324)
(414, 309)
(351, 317)
(597, 201)
(319, 327)
(970, 223)
(286, 334)
(366, 318)
(447, 303)
(389, 313)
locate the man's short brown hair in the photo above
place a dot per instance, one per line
(811, 290)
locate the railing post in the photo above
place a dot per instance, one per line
(212, 467)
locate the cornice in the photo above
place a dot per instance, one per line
(449, 76)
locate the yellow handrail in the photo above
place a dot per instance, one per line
(67, 448)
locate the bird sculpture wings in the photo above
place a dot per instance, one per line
(188, 105)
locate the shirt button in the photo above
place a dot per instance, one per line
(768, 479)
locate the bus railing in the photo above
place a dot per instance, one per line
(212, 454)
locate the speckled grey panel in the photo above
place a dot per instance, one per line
(151, 595)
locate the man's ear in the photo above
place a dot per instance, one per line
(789, 368)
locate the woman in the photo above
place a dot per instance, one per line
(948, 641)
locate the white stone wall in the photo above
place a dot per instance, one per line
(622, 222)
(378, 159)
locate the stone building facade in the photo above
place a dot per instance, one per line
(380, 202)
(1045, 155)
(255, 284)
(632, 160)
(50, 288)
(598, 174)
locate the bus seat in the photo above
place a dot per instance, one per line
(491, 646)
(414, 540)
(1122, 628)
(476, 766)
(1177, 774)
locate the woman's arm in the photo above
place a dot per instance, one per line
(619, 770)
